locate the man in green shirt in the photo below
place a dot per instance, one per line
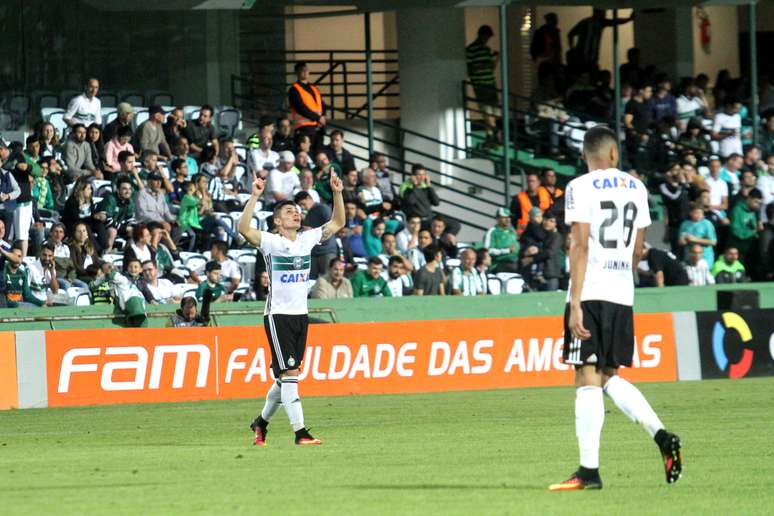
(118, 208)
(481, 62)
(212, 284)
(728, 268)
(369, 282)
(503, 243)
(745, 225)
(17, 285)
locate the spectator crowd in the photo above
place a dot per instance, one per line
(158, 205)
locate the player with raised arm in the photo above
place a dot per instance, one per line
(288, 259)
(608, 213)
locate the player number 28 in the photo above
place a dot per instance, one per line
(629, 214)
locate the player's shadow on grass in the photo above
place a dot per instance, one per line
(430, 487)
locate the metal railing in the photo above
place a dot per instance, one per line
(473, 186)
(340, 75)
(530, 131)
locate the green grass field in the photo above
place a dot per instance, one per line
(490, 452)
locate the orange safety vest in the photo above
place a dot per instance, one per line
(544, 198)
(557, 193)
(312, 103)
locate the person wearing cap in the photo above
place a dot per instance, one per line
(503, 243)
(212, 284)
(125, 113)
(186, 316)
(201, 132)
(150, 134)
(85, 108)
(283, 180)
(151, 203)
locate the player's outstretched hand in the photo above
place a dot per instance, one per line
(576, 324)
(258, 185)
(336, 185)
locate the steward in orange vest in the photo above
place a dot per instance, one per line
(307, 109)
(525, 201)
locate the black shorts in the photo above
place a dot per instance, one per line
(287, 340)
(611, 344)
(485, 95)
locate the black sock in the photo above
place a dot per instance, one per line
(661, 437)
(588, 473)
(261, 422)
(301, 432)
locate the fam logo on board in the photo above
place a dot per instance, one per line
(732, 321)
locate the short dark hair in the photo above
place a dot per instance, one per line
(385, 235)
(334, 261)
(31, 139)
(438, 218)
(299, 65)
(375, 260)
(416, 168)
(78, 126)
(597, 137)
(221, 246)
(130, 260)
(301, 196)
(124, 130)
(480, 253)
(278, 207)
(124, 155)
(48, 246)
(430, 251)
(755, 194)
(336, 132)
(485, 30)
(123, 179)
(546, 170)
(176, 164)
(208, 108)
(149, 262)
(394, 259)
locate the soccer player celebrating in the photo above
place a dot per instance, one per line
(288, 260)
(608, 213)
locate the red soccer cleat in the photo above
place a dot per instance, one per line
(576, 483)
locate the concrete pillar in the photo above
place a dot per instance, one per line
(221, 51)
(431, 43)
(665, 39)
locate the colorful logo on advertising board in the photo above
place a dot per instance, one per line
(732, 321)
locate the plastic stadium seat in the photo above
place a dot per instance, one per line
(46, 112)
(67, 95)
(102, 188)
(196, 262)
(191, 112)
(494, 285)
(57, 120)
(83, 299)
(108, 100)
(240, 170)
(112, 258)
(452, 263)
(162, 98)
(140, 116)
(247, 266)
(6, 121)
(234, 254)
(514, 285)
(228, 121)
(107, 111)
(20, 107)
(362, 263)
(47, 99)
(134, 98)
(241, 151)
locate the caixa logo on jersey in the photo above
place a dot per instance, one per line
(735, 345)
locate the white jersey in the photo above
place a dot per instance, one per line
(288, 263)
(615, 204)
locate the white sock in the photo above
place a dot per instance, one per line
(630, 400)
(589, 418)
(292, 402)
(273, 401)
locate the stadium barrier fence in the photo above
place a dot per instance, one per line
(57, 368)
